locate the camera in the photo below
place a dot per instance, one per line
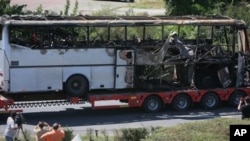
(19, 120)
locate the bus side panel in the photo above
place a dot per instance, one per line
(88, 57)
(102, 77)
(49, 78)
(23, 79)
(35, 79)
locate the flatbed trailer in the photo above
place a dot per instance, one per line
(180, 100)
(151, 102)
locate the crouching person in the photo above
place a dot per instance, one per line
(40, 129)
(56, 134)
(244, 107)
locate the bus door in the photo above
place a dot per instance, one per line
(124, 69)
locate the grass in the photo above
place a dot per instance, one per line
(207, 130)
(146, 4)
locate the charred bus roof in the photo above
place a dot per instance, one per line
(120, 20)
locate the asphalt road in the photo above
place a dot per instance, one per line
(87, 7)
(80, 118)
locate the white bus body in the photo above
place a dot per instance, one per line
(23, 69)
(47, 69)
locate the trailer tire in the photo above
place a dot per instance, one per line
(210, 101)
(235, 98)
(181, 103)
(76, 85)
(152, 104)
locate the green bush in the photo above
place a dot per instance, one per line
(69, 135)
(133, 134)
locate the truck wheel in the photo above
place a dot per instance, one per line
(210, 101)
(152, 104)
(76, 85)
(181, 102)
(235, 98)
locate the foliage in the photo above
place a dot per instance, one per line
(188, 7)
(7, 9)
(67, 6)
(196, 7)
(75, 8)
(39, 9)
(134, 134)
(239, 11)
(218, 130)
(233, 8)
(69, 135)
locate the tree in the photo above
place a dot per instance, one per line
(7, 9)
(233, 8)
(239, 11)
(197, 7)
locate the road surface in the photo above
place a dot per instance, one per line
(81, 118)
(87, 7)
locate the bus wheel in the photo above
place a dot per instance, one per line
(235, 98)
(152, 104)
(76, 85)
(210, 101)
(181, 102)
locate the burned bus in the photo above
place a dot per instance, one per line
(81, 54)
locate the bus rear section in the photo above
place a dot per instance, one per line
(4, 60)
(1, 69)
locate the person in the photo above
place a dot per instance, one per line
(40, 129)
(11, 127)
(244, 107)
(56, 134)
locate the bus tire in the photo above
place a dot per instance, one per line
(181, 103)
(234, 98)
(76, 86)
(152, 104)
(210, 101)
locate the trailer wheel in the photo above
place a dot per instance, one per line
(181, 102)
(152, 104)
(76, 85)
(210, 101)
(235, 98)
